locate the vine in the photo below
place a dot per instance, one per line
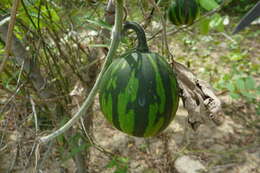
(116, 34)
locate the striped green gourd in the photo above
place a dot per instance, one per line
(139, 94)
(183, 12)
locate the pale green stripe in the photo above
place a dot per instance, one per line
(156, 128)
(126, 117)
(113, 69)
(132, 87)
(159, 85)
(107, 107)
(153, 111)
(123, 65)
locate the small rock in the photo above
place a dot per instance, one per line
(223, 45)
(186, 164)
(15, 136)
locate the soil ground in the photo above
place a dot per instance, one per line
(233, 147)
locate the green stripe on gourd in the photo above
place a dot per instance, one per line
(139, 94)
(183, 12)
(159, 86)
(126, 117)
(106, 104)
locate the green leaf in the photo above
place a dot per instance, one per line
(100, 23)
(258, 90)
(204, 26)
(220, 27)
(234, 95)
(217, 23)
(119, 163)
(121, 170)
(235, 56)
(248, 95)
(226, 77)
(208, 4)
(230, 87)
(75, 150)
(240, 84)
(123, 159)
(111, 163)
(250, 83)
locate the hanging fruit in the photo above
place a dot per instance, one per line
(139, 94)
(183, 12)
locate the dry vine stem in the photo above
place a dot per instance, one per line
(198, 97)
(10, 33)
(22, 58)
(116, 32)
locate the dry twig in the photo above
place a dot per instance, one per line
(8, 45)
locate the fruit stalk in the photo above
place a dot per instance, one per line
(142, 43)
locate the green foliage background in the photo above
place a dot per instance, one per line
(61, 37)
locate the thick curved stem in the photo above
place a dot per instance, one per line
(116, 33)
(142, 43)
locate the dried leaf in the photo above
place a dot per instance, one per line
(198, 98)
